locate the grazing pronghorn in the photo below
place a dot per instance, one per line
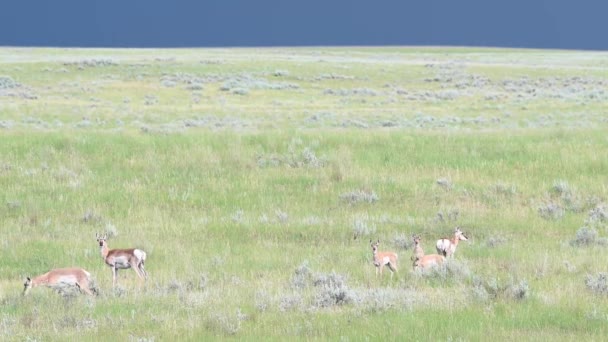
(62, 276)
(425, 261)
(122, 259)
(383, 258)
(447, 246)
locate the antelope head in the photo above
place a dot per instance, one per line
(101, 239)
(416, 239)
(27, 285)
(374, 245)
(459, 234)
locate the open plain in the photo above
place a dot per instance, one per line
(254, 179)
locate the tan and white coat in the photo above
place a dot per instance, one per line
(383, 258)
(72, 276)
(118, 259)
(447, 246)
(422, 261)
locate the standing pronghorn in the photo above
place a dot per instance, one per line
(62, 276)
(418, 252)
(447, 247)
(383, 258)
(122, 259)
(425, 261)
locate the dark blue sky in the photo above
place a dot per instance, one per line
(572, 24)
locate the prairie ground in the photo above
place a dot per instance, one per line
(255, 179)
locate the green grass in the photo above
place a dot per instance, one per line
(234, 193)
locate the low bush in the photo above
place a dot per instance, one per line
(598, 284)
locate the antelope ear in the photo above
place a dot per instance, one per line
(28, 279)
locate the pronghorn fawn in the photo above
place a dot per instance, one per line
(425, 261)
(383, 258)
(122, 259)
(447, 246)
(60, 277)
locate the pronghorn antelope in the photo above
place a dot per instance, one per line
(62, 276)
(418, 252)
(425, 261)
(383, 258)
(447, 247)
(122, 259)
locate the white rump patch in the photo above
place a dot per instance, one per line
(443, 244)
(139, 254)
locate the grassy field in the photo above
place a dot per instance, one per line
(255, 179)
